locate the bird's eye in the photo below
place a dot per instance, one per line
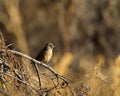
(51, 45)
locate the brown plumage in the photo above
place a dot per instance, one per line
(45, 54)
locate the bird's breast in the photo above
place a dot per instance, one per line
(48, 55)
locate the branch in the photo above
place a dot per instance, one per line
(64, 79)
(4, 92)
(38, 73)
(42, 64)
(19, 80)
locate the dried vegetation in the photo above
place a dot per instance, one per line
(86, 60)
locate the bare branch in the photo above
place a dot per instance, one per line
(58, 76)
(42, 64)
(19, 80)
(38, 74)
(1, 36)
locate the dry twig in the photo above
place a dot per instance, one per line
(58, 76)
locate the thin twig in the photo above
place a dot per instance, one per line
(10, 45)
(4, 92)
(19, 80)
(40, 63)
(45, 66)
(1, 36)
(38, 74)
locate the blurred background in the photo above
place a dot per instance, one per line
(86, 34)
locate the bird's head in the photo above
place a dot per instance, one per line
(49, 45)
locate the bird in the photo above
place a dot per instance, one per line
(44, 56)
(46, 53)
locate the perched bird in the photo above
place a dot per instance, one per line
(45, 54)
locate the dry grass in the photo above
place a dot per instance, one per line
(16, 80)
(80, 28)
